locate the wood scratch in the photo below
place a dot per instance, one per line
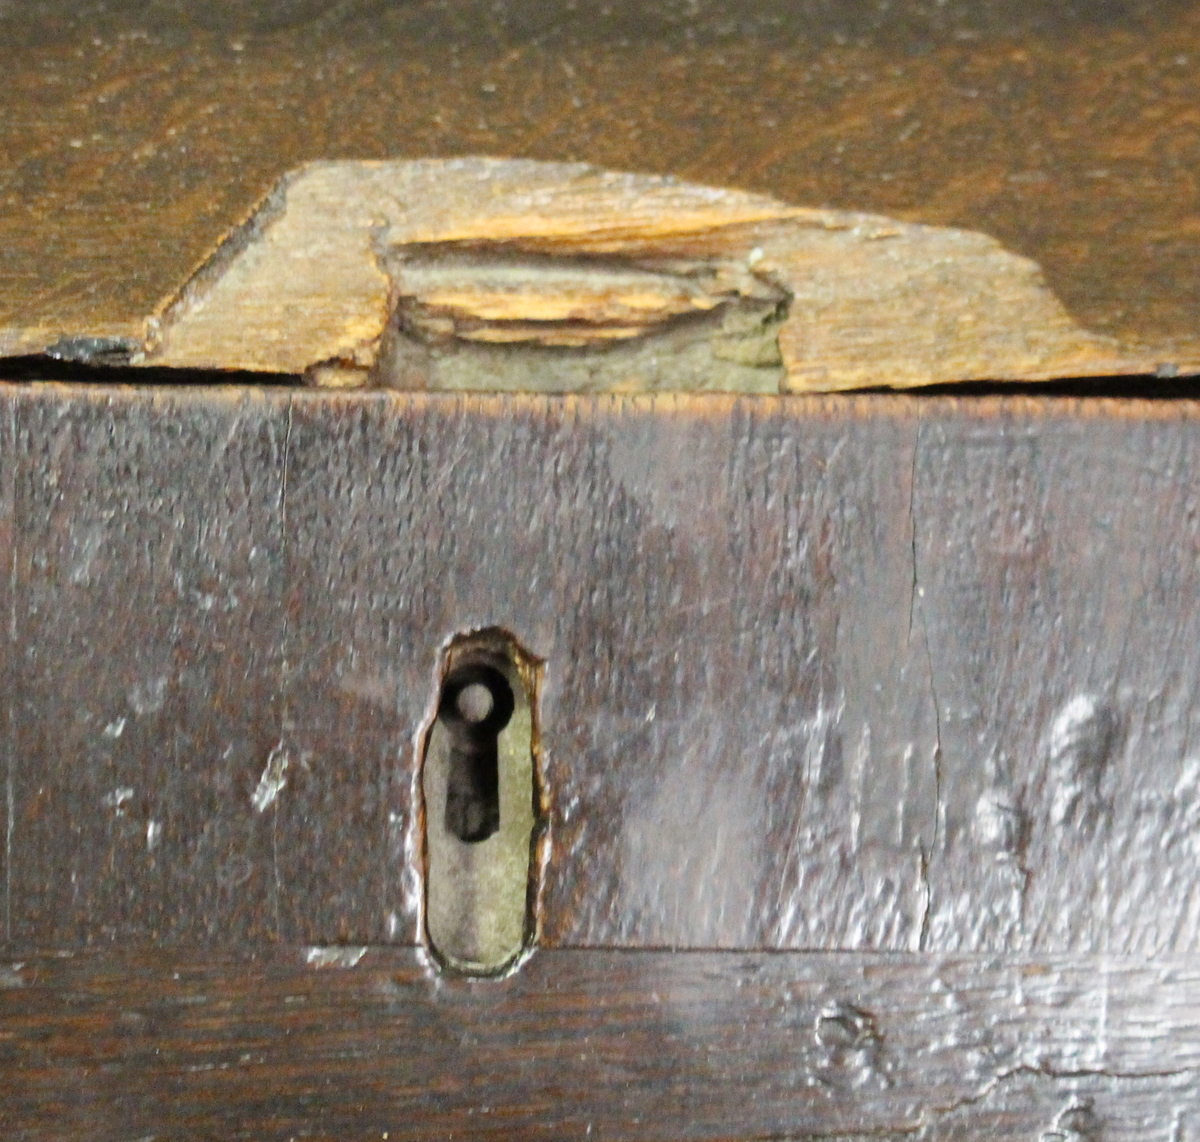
(274, 776)
(11, 743)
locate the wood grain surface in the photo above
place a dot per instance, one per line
(356, 1043)
(867, 727)
(874, 673)
(135, 135)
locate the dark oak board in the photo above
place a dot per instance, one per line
(867, 725)
(653, 1046)
(867, 674)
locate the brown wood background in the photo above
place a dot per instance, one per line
(869, 722)
(133, 135)
(648, 1045)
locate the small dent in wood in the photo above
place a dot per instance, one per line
(850, 1042)
(1081, 743)
(844, 1026)
(1075, 1123)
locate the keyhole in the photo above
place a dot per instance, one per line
(477, 703)
(483, 804)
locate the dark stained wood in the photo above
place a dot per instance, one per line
(135, 135)
(872, 673)
(1087, 764)
(653, 1046)
(145, 632)
(9, 665)
(867, 727)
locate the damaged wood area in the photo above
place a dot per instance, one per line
(580, 322)
(478, 274)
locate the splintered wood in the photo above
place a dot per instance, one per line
(483, 274)
(559, 301)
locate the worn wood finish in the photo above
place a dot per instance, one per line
(352, 1043)
(872, 673)
(135, 135)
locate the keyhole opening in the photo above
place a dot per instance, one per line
(476, 705)
(484, 814)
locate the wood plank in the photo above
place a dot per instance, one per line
(655, 1046)
(135, 136)
(9, 666)
(1087, 764)
(872, 673)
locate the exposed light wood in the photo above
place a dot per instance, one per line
(314, 278)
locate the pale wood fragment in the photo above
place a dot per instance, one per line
(556, 257)
(510, 274)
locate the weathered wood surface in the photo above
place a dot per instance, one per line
(495, 275)
(355, 1043)
(134, 135)
(873, 673)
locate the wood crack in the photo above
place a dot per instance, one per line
(930, 1118)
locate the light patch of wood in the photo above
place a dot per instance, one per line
(558, 302)
(543, 256)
